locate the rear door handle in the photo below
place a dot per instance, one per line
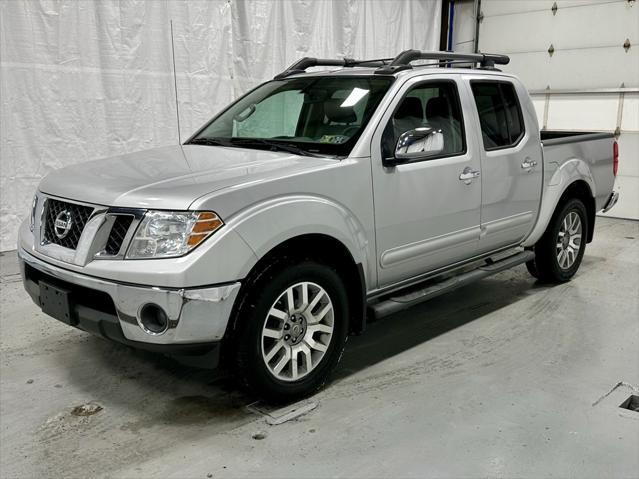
(468, 175)
(528, 164)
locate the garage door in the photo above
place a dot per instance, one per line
(580, 60)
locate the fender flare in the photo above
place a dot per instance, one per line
(565, 175)
(265, 225)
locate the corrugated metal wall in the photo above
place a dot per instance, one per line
(571, 56)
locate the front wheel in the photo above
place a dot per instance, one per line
(560, 250)
(292, 329)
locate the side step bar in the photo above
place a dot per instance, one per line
(398, 303)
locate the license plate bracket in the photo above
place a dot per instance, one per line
(56, 302)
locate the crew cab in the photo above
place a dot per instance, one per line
(314, 203)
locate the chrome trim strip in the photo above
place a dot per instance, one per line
(138, 215)
(83, 251)
(67, 200)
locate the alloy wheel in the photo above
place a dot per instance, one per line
(297, 331)
(569, 240)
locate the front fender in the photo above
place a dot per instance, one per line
(267, 224)
(561, 178)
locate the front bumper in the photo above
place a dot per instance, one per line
(197, 316)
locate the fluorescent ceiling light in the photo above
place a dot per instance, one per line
(356, 95)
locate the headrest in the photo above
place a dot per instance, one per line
(339, 114)
(437, 107)
(410, 107)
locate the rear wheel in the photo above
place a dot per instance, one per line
(293, 325)
(559, 251)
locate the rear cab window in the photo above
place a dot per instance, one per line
(500, 115)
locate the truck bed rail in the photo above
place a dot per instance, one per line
(556, 137)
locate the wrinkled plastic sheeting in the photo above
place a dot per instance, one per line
(84, 80)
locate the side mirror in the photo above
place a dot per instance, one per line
(417, 144)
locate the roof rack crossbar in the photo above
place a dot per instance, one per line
(399, 63)
(302, 64)
(403, 60)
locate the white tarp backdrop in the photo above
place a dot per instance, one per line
(81, 80)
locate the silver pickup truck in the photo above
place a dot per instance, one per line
(317, 201)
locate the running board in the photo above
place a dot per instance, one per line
(398, 303)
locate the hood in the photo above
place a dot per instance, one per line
(171, 177)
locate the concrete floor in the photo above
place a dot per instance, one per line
(502, 378)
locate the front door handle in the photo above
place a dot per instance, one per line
(468, 175)
(528, 164)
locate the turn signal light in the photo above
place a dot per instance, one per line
(615, 158)
(206, 224)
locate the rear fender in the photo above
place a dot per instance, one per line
(560, 179)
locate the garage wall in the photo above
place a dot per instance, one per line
(590, 82)
(81, 80)
(464, 26)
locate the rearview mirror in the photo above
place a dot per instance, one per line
(244, 114)
(417, 144)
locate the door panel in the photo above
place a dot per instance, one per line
(511, 163)
(426, 216)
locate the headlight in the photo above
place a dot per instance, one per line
(165, 234)
(34, 204)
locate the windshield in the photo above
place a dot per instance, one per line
(313, 115)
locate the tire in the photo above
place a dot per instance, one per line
(559, 252)
(270, 332)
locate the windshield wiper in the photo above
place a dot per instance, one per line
(273, 146)
(209, 141)
(247, 142)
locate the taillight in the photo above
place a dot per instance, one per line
(615, 158)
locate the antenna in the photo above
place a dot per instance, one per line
(177, 106)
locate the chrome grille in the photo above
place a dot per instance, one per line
(118, 233)
(79, 215)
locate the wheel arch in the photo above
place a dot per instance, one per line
(566, 183)
(320, 247)
(581, 190)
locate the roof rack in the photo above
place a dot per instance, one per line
(402, 61)
(302, 64)
(388, 66)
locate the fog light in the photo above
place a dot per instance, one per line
(153, 319)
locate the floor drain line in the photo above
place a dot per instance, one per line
(634, 389)
(275, 417)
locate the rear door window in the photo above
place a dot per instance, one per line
(500, 114)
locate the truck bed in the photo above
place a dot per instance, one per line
(595, 149)
(558, 137)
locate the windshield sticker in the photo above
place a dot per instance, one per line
(333, 139)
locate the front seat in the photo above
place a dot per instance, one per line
(439, 117)
(340, 118)
(409, 115)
